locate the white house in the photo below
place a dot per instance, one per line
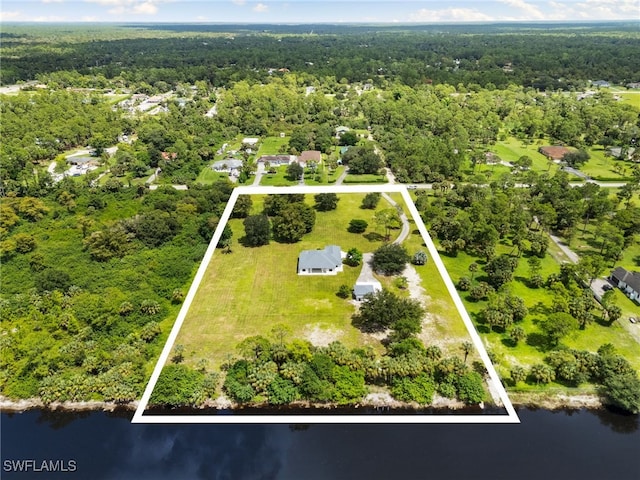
(228, 165)
(628, 282)
(327, 261)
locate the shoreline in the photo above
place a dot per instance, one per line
(519, 400)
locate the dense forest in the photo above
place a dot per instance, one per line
(543, 57)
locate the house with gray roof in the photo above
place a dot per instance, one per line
(227, 165)
(327, 261)
(365, 288)
(628, 282)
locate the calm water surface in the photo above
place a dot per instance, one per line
(546, 445)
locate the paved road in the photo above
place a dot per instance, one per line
(342, 176)
(405, 221)
(571, 255)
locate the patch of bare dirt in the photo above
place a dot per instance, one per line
(321, 337)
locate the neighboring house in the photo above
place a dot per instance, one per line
(276, 160)
(341, 130)
(320, 262)
(310, 156)
(601, 83)
(365, 288)
(633, 85)
(83, 160)
(617, 153)
(628, 282)
(168, 156)
(251, 141)
(554, 153)
(229, 165)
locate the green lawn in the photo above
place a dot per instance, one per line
(365, 178)
(277, 179)
(602, 167)
(271, 146)
(512, 149)
(250, 290)
(208, 176)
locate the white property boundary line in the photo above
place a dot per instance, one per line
(511, 416)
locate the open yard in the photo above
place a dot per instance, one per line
(250, 290)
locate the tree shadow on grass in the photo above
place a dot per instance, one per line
(373, 237)
(540, 309)
(539, 341)
(509, 342)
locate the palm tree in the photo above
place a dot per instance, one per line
(467, 347)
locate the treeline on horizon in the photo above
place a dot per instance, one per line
(542, 56)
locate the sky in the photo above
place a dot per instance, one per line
(313, 11)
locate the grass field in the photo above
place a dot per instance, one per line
(277, 179)
(599, 166)
(207, 176)
(271, 146)
(365, 178)
(512, 149)
(250, 290)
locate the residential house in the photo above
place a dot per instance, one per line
(310, 156)
(365, 288)
(554, 153)
(277, 160)
(251, 141)
(229, 165)
(628, 282)
(327, 261)
(601, 83)
(617, 153)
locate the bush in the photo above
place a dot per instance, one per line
(419, 258)
(419, 389)
(344, 291)
(470, 389)
(357, 226)
(176, 386)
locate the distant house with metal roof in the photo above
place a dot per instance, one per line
(277, 159)
(327, 261)
(227, 165)
(628, 282)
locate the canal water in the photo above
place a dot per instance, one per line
(578, 444)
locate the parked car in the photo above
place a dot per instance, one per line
(606, 288)
(632, 320)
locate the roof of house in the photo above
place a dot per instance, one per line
(310, 156)
(250, 140)
(555, 152)
(329, 257)
(361, 290)
(277, 158)
(230, 163)
(632, 279)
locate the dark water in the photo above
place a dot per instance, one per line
(546, 445)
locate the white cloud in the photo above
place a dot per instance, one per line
(4, 16)
(260, 8)
(134, 7)
(449, 15)
(146, 8)
(531, 12)
(238, 2)
(201, 18)
(89, 19)
(52, 1)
